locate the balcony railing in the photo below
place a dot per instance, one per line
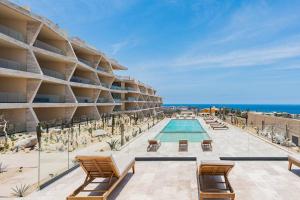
(105, 85)
(9, 64)
(104, 100)
(117, 109)
(117, 100)
(132, 99)
(12, 33)
(130, 89)
(102, 69)
(89, 63)
(132, 108)
(12, 97)
(114, 87)
(82, 99)
(49, 47)
(53, 73)
(48, 98)
(82, 80)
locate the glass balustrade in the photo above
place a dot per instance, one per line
(117, 100)
(89, 63)
(132, 99)
(12, 33)
(48, 98)
(102, 69)
(48, 47)
(12, 97)
(82, 99)
(9, 64)
(104, 100)
(130, 89)
(53, 73)
(114, 87)
(105, 85)
(82, 80)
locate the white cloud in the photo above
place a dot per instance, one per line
(241, 58)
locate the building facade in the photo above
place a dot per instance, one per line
(45, 76)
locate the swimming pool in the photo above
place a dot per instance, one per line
(181, 129)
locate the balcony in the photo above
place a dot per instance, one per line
(130, 89)
(48, 98)
(105, 85)
(82, 99)
(132, 108)
(86, 62)
(104, 100)
(103, 69)
(12, 33)
(82, 80)
(132, 99)
(49, 47)
(114, 87)
(9, 64)
(53, 73)
(117, 100)
(12, 97)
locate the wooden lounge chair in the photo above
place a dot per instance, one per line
(109, 168)
(153, 145)
(183, 145)
(293, 161)
(213, 180)
(206, 144)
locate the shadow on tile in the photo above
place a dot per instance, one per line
(120, 187)
(296, 171)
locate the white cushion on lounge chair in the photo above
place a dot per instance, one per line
(122, 162)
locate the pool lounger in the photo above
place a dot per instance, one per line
(113, 169)
(183, 145)
(293, 161)
(153, 145)
(206, 144)
(213, 180)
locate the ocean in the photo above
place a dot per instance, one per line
(292, 109)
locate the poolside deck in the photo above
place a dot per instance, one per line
(177, 179)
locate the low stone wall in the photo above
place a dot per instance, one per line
(291, 126)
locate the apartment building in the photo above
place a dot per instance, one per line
(46, 76)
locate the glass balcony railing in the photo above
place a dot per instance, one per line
(117, 100)
(103, 69)
(12, 33)
(132, 99)
(130, 89)
(53, 73)
(105, 85)
(104, 100)
(82, 99)
(48, 98)
(12, 97)
(114, 87)
(89, 63)
(117, 109)
(82, 80)
(49, 47)
(132, 108)
(9, 64)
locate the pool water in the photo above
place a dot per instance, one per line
(179, 129)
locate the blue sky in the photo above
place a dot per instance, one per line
(193, 51)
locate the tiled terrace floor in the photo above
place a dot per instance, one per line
(177, 180)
